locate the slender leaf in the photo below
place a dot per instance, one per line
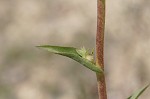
(138, 93)
(72, 53)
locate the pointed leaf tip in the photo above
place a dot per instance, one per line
(59, 49)
(138, 93)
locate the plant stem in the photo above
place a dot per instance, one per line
(100, 48)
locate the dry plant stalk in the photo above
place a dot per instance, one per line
(100, 48)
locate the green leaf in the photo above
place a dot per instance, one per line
(73, 54)
(138, 93)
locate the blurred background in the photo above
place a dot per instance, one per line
(27, 72)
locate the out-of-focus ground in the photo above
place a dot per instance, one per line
(27, 72)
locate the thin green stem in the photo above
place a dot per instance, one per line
(100, 48)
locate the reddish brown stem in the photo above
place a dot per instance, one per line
(100, 47)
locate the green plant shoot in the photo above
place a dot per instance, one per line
(81, 56)
(138, 93)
